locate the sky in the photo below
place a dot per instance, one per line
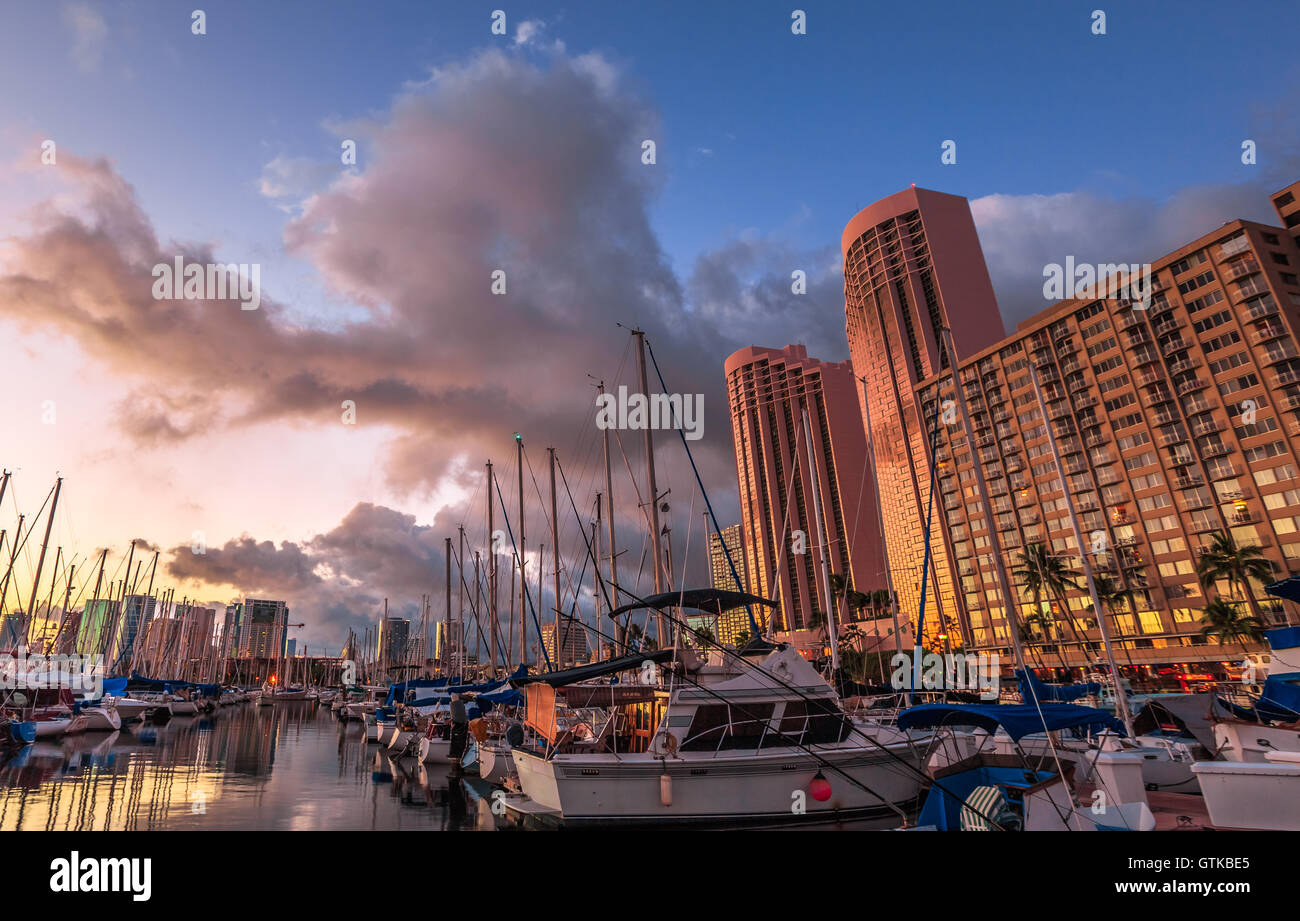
(195, 424)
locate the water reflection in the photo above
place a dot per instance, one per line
(287, 767)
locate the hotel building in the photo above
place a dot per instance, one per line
(913, 266)
(734, 624)
(769, 391)
(1171, 423)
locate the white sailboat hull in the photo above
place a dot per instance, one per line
(102, 719)
(48, 729)
(129, 708)
(434, 750)
(765, 786)
(386, 731)
(495, 762)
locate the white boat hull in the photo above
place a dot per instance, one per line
(765, 786)
(1251, 795)
(397, 743)
(101, 719)
(495, 762)
(434, 750)
(372, 730)
(48, 729)
(386, 731)
(1242, 741)
(183, 708)
(131, 709)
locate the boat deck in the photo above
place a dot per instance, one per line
(1172, 811)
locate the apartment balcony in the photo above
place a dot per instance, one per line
(1251, 288)
(1163, 418)
(1168, 325)
(1186, 364)
(1276, 355)
(1085, 401)
(1216, 450)
(1043, 358)
(1160, 395)
(1001, 416)
(1069, 366)
(1131, 320)
(1207, 428)
(1064, 333)
(1224, 471)
(1174, 345)
(1286, 378)
(1240, 269)
(1267, 332)
(1144, 357)
(1171, 438)
(1265, 308)
(1186, 481)
(1292, 402)
(1190, 385)
(1244, 517)
(1095, 441)
(1154, 376)
(1196, 406)
(1180, 459)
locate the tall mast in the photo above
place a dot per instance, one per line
(98, 580)
(1009, 612)
(655, 541)
(555, 552)
(492, 572)
(880, 516)
(478, 624)
(620, 632)
(460, 613)
(40, 560)
(13, 557)
(49, 602)
(445, 658)
(1121, 699)
(814, 486)
(523, 583)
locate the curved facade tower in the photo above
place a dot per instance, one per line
(912, 266)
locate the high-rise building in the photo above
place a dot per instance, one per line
(138, 610)
(1174, 417)
(196, 635)
(573, 640)
(913, 267)
(263, 628)
(394, 632)
(781, 402)
(732, 625)
(97, 619)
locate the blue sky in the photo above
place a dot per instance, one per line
(801, 130)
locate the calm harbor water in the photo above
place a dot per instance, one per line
(291, 767)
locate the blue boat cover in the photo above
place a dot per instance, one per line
(1017, 719)
(397, 692)
(1283, 638)
(1032, 687)
(115, 687)
(1288, 589)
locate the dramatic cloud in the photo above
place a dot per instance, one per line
(1020, 234)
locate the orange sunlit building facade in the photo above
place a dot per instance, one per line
(1171, 422)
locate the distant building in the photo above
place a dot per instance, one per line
(572, 646)
(138, 610)
(69, 626)
(197, 633)
(394, 632)
(446, 645)
(732, 625)
(782, 402)
(264, 628)
(97, 619)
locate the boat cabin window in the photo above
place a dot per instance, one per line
(718, 726)
(810, 722)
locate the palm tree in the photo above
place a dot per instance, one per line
(1113, 595)
(704, 636)
(1045, 574)
(1226, 622)
(1224, 558)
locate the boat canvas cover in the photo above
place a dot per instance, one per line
(115, 687)
(1189, 712)
(1033, 687)
(1018, 720)
(397, 692)
(712, 600)
(541, 710)
(595, 670)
